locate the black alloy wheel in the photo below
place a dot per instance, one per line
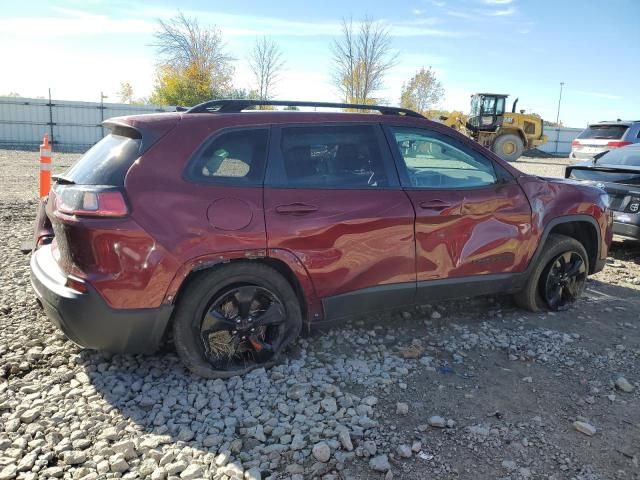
(565, 278)
(243, 325)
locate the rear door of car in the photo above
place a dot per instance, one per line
(333, 199)
(472, 218)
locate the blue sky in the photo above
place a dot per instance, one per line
(521, 47)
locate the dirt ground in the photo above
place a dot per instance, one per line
(507, 384)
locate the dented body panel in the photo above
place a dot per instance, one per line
(386, 244)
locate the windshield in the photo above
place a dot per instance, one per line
(475, 106)
(607, 132)
(629, 157)
(106, 163)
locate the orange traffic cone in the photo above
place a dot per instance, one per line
(45, 167)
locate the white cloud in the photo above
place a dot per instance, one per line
(459, 14)
(507, 12)
(418, 11)
(72, 23)
(607, 96)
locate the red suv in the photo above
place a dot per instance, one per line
(235, 227)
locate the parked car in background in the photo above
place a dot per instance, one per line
(617, 172)
(603, 136)
(235, 228)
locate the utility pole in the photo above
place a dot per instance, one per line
(559, 100)
(558, 118)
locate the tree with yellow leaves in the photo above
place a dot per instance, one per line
(195, 66)
(422, 92)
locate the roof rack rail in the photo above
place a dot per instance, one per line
(238, 105)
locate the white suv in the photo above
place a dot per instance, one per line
(603, 136)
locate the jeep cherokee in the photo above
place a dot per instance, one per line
(233, 228)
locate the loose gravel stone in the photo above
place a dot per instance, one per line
(584, 427)
(380, 463)
(74, 457)
(322, 452)
(437, 421)
(404, 451)
(402, 408)
(345, 440)
(624, 385)
(8, 473)
(192, 472)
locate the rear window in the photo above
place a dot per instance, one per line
(235, 157)
(605, 132)
(106, 163)
(629, 157)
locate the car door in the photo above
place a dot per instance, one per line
(332, 198)
(472, 218)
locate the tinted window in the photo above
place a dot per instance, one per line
(621, 156)
(608, 132)
(332, 157)
(106, 163)
(234, 157)
(436, 161)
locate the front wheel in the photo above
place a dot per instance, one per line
(235, 318)
(558, 278)
(508, 147)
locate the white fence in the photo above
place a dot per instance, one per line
(559, 140)
(70, 125)
(75, 125)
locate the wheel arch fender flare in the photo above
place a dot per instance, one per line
(566, 219)
(284, 261)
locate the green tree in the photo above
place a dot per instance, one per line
(184, 87)
(422, 92)
(194, 65)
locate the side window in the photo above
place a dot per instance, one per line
(331, 156)
(235, 157)
(436, 161)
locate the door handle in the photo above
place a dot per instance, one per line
(435, 205)
(296, 209)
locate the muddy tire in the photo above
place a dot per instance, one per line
(508, 147)
(558, 278)
(235, 318)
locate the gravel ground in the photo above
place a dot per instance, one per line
(457, 390)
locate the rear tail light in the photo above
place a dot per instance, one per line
(90, 201)
(76, 284)
(575, 143)
(618, 143)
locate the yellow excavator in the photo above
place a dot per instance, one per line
(507, 134)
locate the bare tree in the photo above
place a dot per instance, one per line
(266, 63)
(183, 44)
(362, 57)
(422, 92)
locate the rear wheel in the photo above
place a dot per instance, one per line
(234, 319)
(559, 277)
(509, 147)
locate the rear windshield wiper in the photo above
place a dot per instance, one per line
(59, 179)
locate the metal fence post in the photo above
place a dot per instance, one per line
(51, 119)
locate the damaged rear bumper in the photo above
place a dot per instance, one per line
(87, 320)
